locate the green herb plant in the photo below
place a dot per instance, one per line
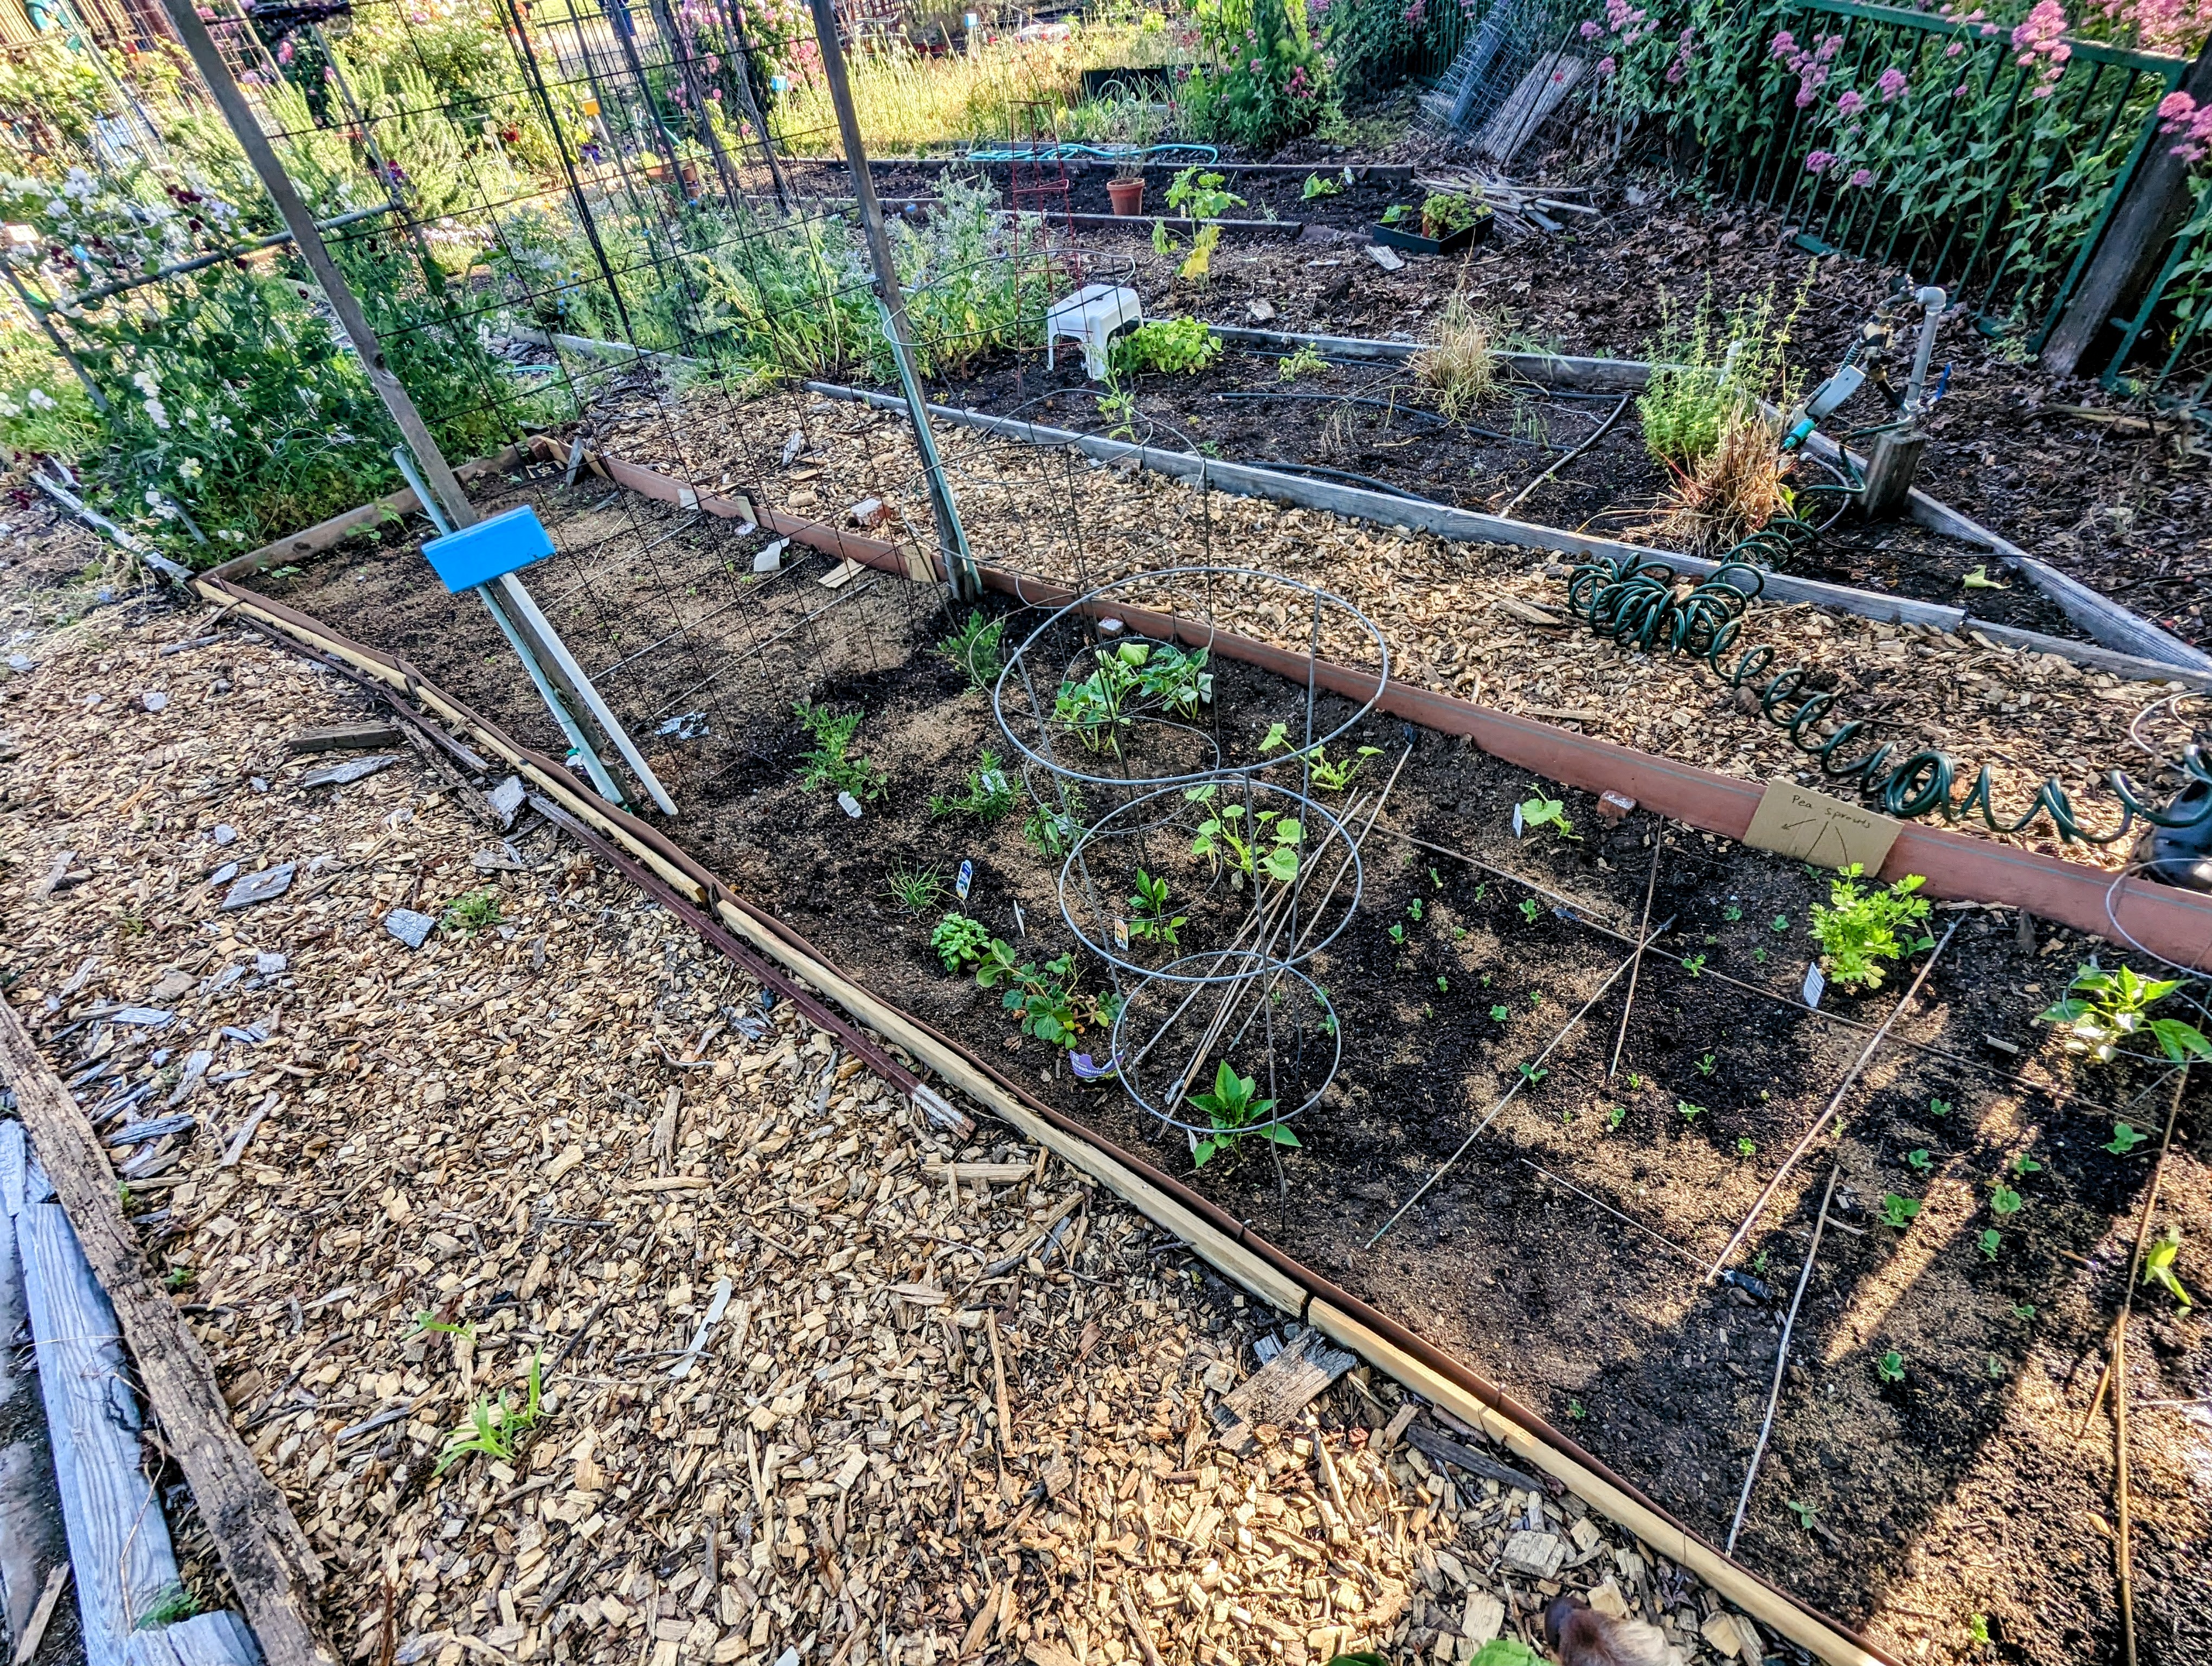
(473, 912)
(1318, 186)
(493, 1432)
(1149, 919)
(1859, 929)
(975, 649)
(960, 942)
(984, 794)
(1306, 362)
(915, 889)
(1167, 347)
(831, 763)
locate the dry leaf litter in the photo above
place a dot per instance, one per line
(1487, 623)
(778, 1321)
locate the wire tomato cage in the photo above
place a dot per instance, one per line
(1210, 892)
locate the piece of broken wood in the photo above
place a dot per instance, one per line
(272, 1567)
(344, 737)
(1274, 1395)
(1438, 1450)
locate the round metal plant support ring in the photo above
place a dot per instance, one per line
(1325, 846)
(1155, 630)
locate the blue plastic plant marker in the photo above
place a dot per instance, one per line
(478, 554)
(967, 879)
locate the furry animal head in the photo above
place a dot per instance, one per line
(1581, 1636)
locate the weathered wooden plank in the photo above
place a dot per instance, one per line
(272, 1566)
(206, 1639)
(1275, 1394)
(118, 1543)
(345, 737)
(1439, 1449)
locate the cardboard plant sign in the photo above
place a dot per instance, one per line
(1796, 822)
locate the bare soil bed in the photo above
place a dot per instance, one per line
(1563, 1254)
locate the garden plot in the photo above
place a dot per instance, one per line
(1486, 622)
(1564, 1251)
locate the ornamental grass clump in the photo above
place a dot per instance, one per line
(1462, 367)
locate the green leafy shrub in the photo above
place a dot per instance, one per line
(1858, 929)
(1171, 347)
(1272, 84)
(960, 941)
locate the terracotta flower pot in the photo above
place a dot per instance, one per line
(1127, 195)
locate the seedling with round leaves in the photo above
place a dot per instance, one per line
(1694, 964)
(1690, 1112)
(1897, 1212)
(2102, 1010)
(1499, 1013)
(1537, 810)
(1988, 1243)
(1921, 1159)
(2125, 1138)
(1804, 1513)
(1615, 1117)
(2003, 1200)
(1860, 929)
(1530, 908)
(1745, 1147)
(1890, 1367)
(1234, 1109)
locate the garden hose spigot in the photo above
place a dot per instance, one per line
(1932, 302)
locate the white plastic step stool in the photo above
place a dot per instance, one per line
(1093, 315)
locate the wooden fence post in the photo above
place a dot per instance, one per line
(2127, 261)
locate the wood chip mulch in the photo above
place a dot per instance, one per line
(818, 1386)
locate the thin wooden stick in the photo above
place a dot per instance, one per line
(1781, 1363)
(2142, 1227)
(1834, 1101)
(1636, 962)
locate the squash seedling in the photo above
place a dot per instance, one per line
(1890, 1367)
(1897, 1212)
(1537, 810)
(2102, 1009)
(1939, 1107)
(2125, 1138)
(1534, 1073)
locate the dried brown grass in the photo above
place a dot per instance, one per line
(1738, 487)
(1462, 367)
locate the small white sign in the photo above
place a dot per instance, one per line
(1121, 935)
(849, 805)
(1816, 984)
(967, 879)
(1517, 821)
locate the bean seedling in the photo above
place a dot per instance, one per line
(1148, 912)
(1530, 908)
(1897, 1212)
(1803, 1513)
(2158, 1265)
(2125, 1138)
(1890, 1367)
(1221, 839)
(1988, 1243)
(1920, 1159)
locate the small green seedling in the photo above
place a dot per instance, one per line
(975, 649)
(1149, 918)
(1996, 1369)
(986, 793)
(1443, 988)
(1414, 911)
(2125, 1138)
(1781, 922)
(1690, 1112)
(1635, 1082)
(2024, 1165)
(1708, 1064)
(2102, 1009)
(1575, 1410)
(1745, 1148)
(1897, 1211)
(426, 1323)
(1731, 913)
(960, 942)
(2023, 1310)
(1458, 933)
(1859, 929)
(1615, 1117)
(1759, 1262)
(171, 1604)
(1233, 1107)
(2158, 1265)
(1920, 1159)
(476, 911)
(1890, 1367)
(492, 1432)
(1433, 879)
(1534, 1073)
(1535, 1000)
(1397, 933)
(2004, 1200)
(1500, 1013)
(915, 889)
(1989, 1242)
(830, 762)
(1803, 1513)
(1306, 362)
(1760, 955)
(1335, 777)
(1538, 811)
(1978, 1627)
(1530, 908)
(1939, 1107)
(1694, 964)
(1319, 185)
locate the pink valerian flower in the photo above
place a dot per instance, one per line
(1819, 162)
(1850, 104)
(1830, 47)
(2180, 114)
(1784, 44)
(1416, 11)
(1605, 66)
(1861, 179)
(2041, 34)
(1960, 91)
(1589, 30)
(1954, 49)
(1891, 82)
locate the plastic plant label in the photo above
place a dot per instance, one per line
(1121, 935)
(1796, 822)
(849, 805)
(994, 782)
(1816, 984)
(967, 879)
(1517, 821)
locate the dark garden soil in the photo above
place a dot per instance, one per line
(2104, 493)
(1563, 1253)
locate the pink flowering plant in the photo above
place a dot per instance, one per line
(1266, 81)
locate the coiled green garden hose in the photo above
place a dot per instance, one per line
(1635, 602)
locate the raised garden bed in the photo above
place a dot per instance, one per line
(1556, 1282)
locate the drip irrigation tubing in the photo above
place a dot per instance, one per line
(1367, 480)
(1635, 602)
(1392, 404)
